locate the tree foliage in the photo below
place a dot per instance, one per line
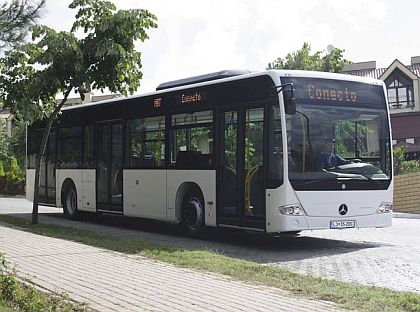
(4, 144)
(60, 61)
(15, 19)
(318, 61)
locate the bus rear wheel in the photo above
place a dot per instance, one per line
(193, 215)
(70, 202)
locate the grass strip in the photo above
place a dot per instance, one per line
(18, 296)
(347, 295)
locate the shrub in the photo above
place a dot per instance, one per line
(15, 175)
(401, 165)
(2, 174)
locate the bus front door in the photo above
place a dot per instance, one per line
(109, 174)
(241, 174)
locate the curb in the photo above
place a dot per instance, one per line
(406, 215)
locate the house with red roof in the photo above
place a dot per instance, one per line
(403, 87)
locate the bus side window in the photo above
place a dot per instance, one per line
(89, 147)
(192, 140)
(32, 148)
(147, 142)
(70, 147)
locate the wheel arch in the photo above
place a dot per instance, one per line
(184, 189)
(67, 183)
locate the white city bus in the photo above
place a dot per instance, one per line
(228, 149)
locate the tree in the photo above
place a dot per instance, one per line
(15, 19)
(105, 57)
(304, 60)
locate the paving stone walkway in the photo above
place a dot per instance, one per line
(112, 281)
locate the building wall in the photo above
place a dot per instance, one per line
(405, 126)
(407, 193)
(406, 131)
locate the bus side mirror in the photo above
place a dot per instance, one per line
(289, 101)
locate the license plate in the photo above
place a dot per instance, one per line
(342, 224)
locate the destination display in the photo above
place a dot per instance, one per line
(192, 97)
(336, 91)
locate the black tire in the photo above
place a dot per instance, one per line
(70, 201)
(193, 214)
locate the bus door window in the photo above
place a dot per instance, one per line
(50, 159)
(147, 142)
(102, 138)
(116, 164)
(42, 173)
(230, 161)
(254, 147)
(192, 140)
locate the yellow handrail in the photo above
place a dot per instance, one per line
(248, 180)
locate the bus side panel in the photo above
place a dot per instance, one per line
(89, 190)
(145, 194)
(205, 179)
(30, 182)
(76, 175)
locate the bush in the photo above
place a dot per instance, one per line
(2, 178)
(14, 178)
(15, 175)
(401, 165)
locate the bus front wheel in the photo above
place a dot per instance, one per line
(193, 214)
(70, 202)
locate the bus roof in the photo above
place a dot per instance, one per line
(229, 75)
(202, 78)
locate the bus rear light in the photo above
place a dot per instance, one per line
(292, 210)
(385, 207)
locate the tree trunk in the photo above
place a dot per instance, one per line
(40, 156)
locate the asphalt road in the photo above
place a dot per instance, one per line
(387, 257)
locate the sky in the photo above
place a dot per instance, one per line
(203, 36)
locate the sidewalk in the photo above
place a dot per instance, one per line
(111, 281)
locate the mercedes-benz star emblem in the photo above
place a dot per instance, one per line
(343, 209)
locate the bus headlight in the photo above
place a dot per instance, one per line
(385, 207)
(292, 210)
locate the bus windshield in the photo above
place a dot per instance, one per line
(338, 143)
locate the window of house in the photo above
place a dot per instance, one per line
(400, 90)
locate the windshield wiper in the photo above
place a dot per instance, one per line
(315, 181)
(341, 179)
(377, 182)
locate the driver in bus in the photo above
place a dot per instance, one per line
(328, 158)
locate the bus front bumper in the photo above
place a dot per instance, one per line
(301, 223)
